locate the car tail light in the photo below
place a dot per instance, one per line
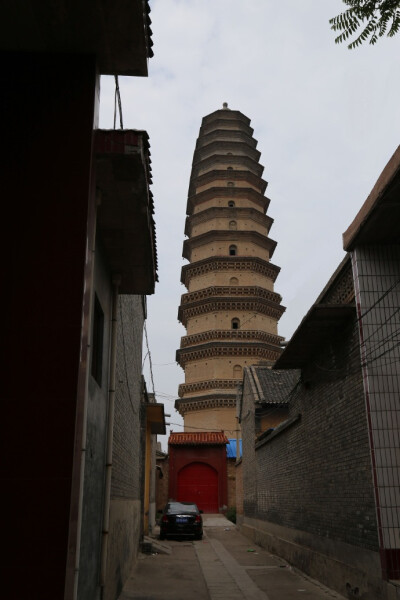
(165, 519)
(197, 519)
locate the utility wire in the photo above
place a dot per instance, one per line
(371, 347)
(247, 320)
(117, 100)
(164, 364)
(390, 289)
(125, 361)
(214, 429)
(144, 360)
(149, 355)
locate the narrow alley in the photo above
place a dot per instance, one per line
(224, 565)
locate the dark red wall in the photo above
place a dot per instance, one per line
(47, 108)
(215, 456)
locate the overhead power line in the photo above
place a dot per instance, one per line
(149, 355)
(117, 100)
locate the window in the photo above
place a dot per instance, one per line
(235, 323)
(232, 250)
(234, 281)
(231, 203)
(232, 225)
(230, 168)
(237, 372)
(231, 184)
(97, 341)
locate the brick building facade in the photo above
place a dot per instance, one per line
(80, 234)
(127, 482)
(321, 488)
(308, 488)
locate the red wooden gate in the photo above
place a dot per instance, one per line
(198, 482)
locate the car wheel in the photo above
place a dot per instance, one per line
(162, 536)
(198, 536)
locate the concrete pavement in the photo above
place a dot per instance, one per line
(225, 565)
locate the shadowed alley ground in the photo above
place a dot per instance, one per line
(223, 566)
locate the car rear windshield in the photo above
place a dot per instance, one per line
(178, 507)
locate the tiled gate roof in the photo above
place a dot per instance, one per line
(210, 438)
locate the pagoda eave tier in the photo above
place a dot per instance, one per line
(231, 263)
(211, 384)
(222, 122)
(254, 350)
(229, 292)
(216, 159)
(225, 114)
(233, 175)
(226, 135)
(231, 334)
(220, 212)
(216, 235)
(229, 193)
(218, 146)
(254, 305)
(185, 405)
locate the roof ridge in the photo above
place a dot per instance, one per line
(198, 438)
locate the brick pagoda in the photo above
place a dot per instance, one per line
(230, 310)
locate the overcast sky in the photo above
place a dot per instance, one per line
(326, 119)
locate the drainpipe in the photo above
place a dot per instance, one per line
(110, 430)
(90, 285)
(80, 500)
(237, 440)
(239, 398)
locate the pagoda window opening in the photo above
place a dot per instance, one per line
(231, 184)
(232, 250)
(232, 225)
(231, 203)
(237, 372)
(235, 323)
(234, 281)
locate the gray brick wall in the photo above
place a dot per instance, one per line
(126, 509)
(96, 439)
(239, 491)
(162, 484)
(377, 275)
(249, 465)
(316, 475)
(127, 463)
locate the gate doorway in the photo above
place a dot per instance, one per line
(198, 482)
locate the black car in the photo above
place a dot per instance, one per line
(181, 518)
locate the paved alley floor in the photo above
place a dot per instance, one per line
(222, 566)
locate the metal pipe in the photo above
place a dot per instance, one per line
(80, 505)
(237, 440)
(91, 253)
(110, 430)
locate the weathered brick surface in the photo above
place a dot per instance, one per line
(126, 471)
(126, 510)
(239, 489)
(162, 483)
(316, 475)
(231, 475)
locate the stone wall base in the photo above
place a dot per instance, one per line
(123, 544)
(351, 571)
